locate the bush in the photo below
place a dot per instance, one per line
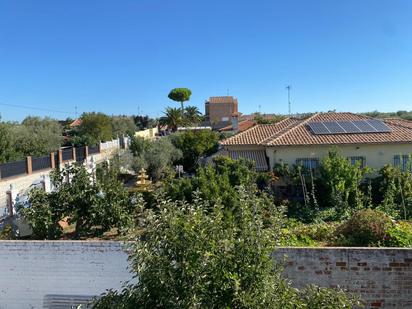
(195, 144)
(192, 258)
(366, 228)
(298, 234)
(400, 235)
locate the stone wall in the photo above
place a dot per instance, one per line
(383, 277)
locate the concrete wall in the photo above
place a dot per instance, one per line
(376, 155)
(148, 133)
(383, 277)
(33, 273)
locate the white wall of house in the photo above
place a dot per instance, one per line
(377, 155)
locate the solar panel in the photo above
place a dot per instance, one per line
(334, 127)
(349, 127)
(364, 126)
(379, 125)
(318, 128)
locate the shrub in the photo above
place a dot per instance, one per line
(400, 235)
(192, 258)
(366, 228)
(298, 234)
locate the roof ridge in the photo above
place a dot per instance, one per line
(284, 130)
(294, 128)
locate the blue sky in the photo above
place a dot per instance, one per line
(118, 56)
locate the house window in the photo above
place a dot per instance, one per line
(402, 161)
(355, 160)
(308, 163)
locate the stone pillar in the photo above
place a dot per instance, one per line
(74, 153)
(86, 151)
(29, 167)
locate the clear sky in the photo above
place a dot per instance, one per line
(116, 56)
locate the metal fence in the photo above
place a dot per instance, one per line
(80, 154)
(40, 163)
(67, 154)
(11, 169)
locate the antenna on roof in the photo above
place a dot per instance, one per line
(289, 107)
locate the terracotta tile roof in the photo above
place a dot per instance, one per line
(75, 123)
(258, 156)
(222, 99)
(399, 121)
(256, 134)
(296, 132)
(243, 125)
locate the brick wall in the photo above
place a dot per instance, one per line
(383, 277)
(33, 272)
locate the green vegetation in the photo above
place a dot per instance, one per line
(157, 157)
(399, 114)
(35, 136)
(93, 207)
(195, 144)
(192, 258)
(180, 95)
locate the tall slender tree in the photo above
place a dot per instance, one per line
(180, 95)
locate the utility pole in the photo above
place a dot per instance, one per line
(289, 107)
(75, 112)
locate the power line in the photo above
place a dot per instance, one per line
(36, 108)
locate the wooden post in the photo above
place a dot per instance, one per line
(74, 153)
(52, 162)
(86, 151)
(29, 167)
(99, 145)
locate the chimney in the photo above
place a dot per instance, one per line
(235, 122)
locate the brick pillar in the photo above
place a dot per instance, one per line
(52, 162)
(29, 168)
(60, 156)
(74, 153)
(86, 151)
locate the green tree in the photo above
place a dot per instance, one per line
(180, 95)
(342, 182)
(195, 144)
(156, 156)
(93, 207)
(7, 149)
(123, 125)
(95, 127)
(172, 118)
(192, 258)
(192, 115)
(216, 183)
(37, 136)
(395, 192)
